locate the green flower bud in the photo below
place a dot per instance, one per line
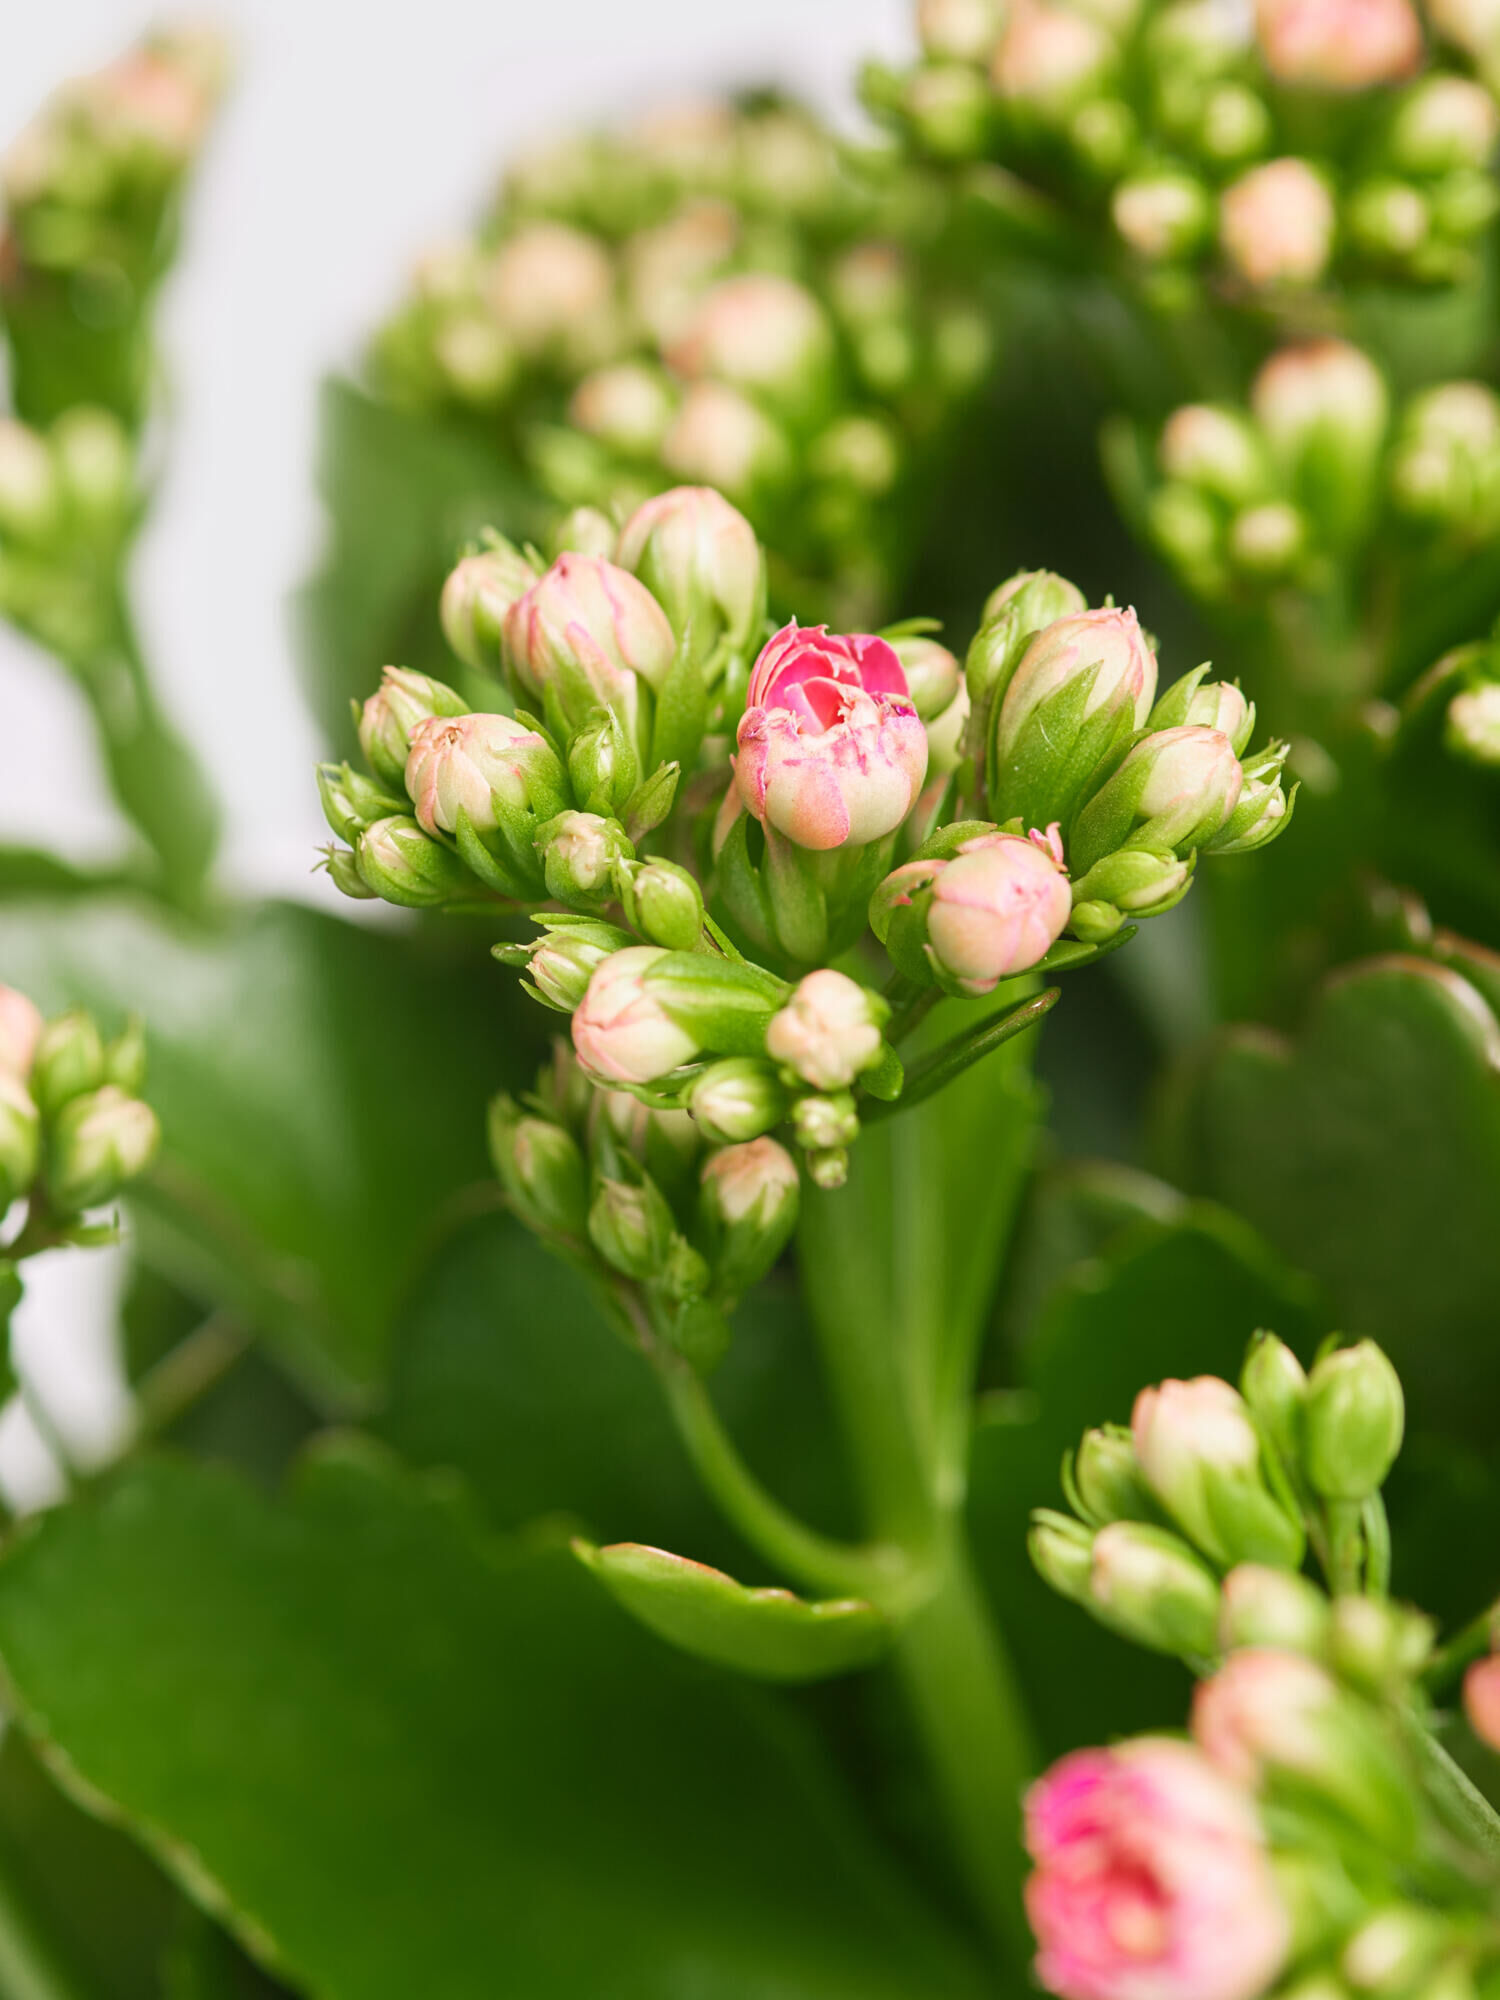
(699, 557)
(561, 962)
(821, 1122)
(1162, 213)
(586, 531)
(1274, 1384)
(1443, 122)
(1207, 705)
(1273, 1607)
(125, 1058)
(351, 800)
(950, 109)
(1106, 1478)
(20, 1139)
(1267, 541)
(1264, 811)
(828, 1170)
(1062, 1553)
(626, 405)
(1378, 1646)
(402, 864)
(1387, 218)
(661, 901)
(1014, 612)
(631, 1226)
(1395, 1950)
(388, 718)
(1353, 1424)
(98, 1142)
(1133, 883)
(580, 852)
(68, 1060)
(603, 768)
(749, 1199)
(1175, 790)
(737, 1099)
(343, 871)
(1215, 447)
(933, 674)
(541, 1169)
(1146, 1584)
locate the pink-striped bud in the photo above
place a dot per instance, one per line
(997, 907)
(1276, 224)
(1048, 58)
(621, 1031)
(593, 631)
(700, 559)
(466, 763)
(760, 332)
(1200, 1454)
(1107, 644)
(547, 283)
(828, 1033)
(723, 439)
(1338, 44)
(20, 1030)
(1152, 1880)
(1482, 1699)
(831, 749)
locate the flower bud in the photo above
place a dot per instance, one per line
(1062, 1552)
(29, 495)
(1273, 1607)
(1444, 123)
(1216, 448)
(1200, 1456)
(1445, 468)
(541, 1169)
(1146, 1584)
(665, 1143)
(627, 406)
(1353, 1422)
(477, 597)
(351, 800)
(1338, 44)
(1135, 882)
(388, 718)
(1322, 408)
(67, 1060)
(631, 1226)
(98, 1142)
(1175, 789)
(828, 1170)
(1106, 1478)
(1024, 605)
(488, 768)
(125, 1058)
(621, 1031)
(1162, 213)
(661, 901)
(959, 30)
(1378, 1646)
(562, 961)
(20, 1139)
(1235, 124)
(749, 1202)
(948, 106)
(1395, 1950)
(823, 1123)
(1482, 1699)
(1276, 224)
(581, 853)
(584, 531)
(586, 635)
(603, 768)
(20, 1030)
(1267, 541)
(760, 332)
(723, 439)
(945, 737)
(1471, 25)
(1264, 809)
(831, 752)
(1081, 689)
(343, 872)
(700, 559)
(828, 1033)
(1387, 219)
(552, 286)
(400, 863)
(92, 452)
(933, 674)
(1471, 727)
(996, 908)
(737, 1099)
(1273, 1383)
(1049, 59)
(1207, 705)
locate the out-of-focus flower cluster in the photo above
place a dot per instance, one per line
(720, 294)
(69, 500)
(73, 1126)
(1275, 148)
(712, 816)
(1304, 1842)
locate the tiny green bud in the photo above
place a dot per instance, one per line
(737, 1099)
(1061, 1550)
(1354, 1421)
(933, 674)
(351, 800)
(662, 901)
(580, 852)
(603, 768)
(1107, 1478)
(821, 1122)
(631, 1226)
(343, 872)
(830, 1169)
(1273, 1607)
(587, 531)
(69, 1060)
(92, 452)
(562, 960)
(1274, 1384)
(388, 718)
(1379, 1646)
(401, 863)
(1471, 727)
(541, 1169)
(125, 1058)
(20, 1139)
(98, 1142)
(1147, 1584)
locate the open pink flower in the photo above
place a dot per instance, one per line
(831, 749)
(1151, 1881)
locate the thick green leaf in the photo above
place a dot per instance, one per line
(407, 1760)
(404, 492)
(321, 1091)
(1367, 1150)
(769, 1633)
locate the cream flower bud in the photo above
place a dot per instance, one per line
(67, 1059)
(1276, 224)
(1201, 1457)
(1162, 213)
(722, 438)
(20, 1139)
(479, 592)
(1266, 541)
(1049, 57)
(749, 1200)
(1192, 784)
(960, 30)
(701, 560)
(99, 1141)
(581, 853)
(627, 406)
(996, 909)
(95, 464)
(1338, 44)
(621, 1031)
(1319, 387)
(20, 1030)
(548, 281)
(1203, 444)
(737, 1099)
(1445, 122)
(1471, 728)
(29, 494)
(469, 763)
(392, 713)
(759, 332)
(1471, 25)
(829, 1031)
(563, 960)
(822, 1123)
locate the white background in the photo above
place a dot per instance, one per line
(356, 133)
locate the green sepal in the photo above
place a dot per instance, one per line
(742, 889)
(478, 859)
(726, 1004)
(681, 712)
(886, 1079)
(651, 801)
(799, 903)
(694, 1328)
(768, 1633)
(1037, 782)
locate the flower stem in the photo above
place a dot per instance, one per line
(1459, 1801)
(1470, 1643)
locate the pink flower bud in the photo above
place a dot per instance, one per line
(750, 1182)
(546, 281)
(20, 1030)
(1048, 57)
(1177, 1426)
(668, 268)
(588, 615)
(831, 750)
(1152, 1881)
(1276, 224)
(1338, 44)
(1319, 385)
(1192, 785)
(1482, 1699)
(621, 1031)
(1264, 1706)
(479, 592)
(698, 555)
(828, 1032)
(459, 763)
(721, 438)
(1108, 643)
(998, 907)
(758, 331)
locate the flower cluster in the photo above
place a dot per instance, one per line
(711, 812)
(1275, 148)
(1291, 1845)
(714, 295)
(73, 1126)
(69, 500)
